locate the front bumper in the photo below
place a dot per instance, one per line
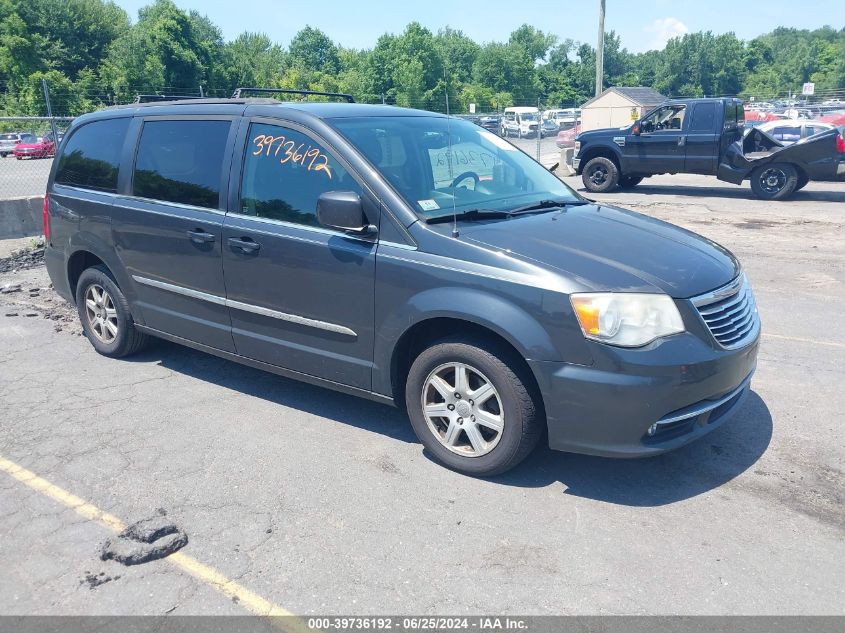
(683, 385)
(575, 163)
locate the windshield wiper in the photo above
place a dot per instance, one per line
(485, 214)
(546, 205)
(470, 214)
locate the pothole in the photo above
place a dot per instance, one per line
(145, 541)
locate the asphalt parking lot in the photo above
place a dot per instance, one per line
(319, 503)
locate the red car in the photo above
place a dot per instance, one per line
(31, 146)
(566, 138)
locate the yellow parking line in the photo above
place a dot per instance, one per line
(799, 339)
(210, 576)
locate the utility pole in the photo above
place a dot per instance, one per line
(600, 51)
(50, 111)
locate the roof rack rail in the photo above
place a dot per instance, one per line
(150, 98)
(310, 93)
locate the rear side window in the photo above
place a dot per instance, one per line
(703, 117)
(91, 157)
(181, 161)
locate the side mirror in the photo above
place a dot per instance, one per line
(637, 129)
(343, 210)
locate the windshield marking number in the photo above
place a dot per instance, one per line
(264, 147)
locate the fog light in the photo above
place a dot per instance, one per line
(652, 429)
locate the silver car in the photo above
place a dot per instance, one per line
(8, 141)
(788, 131)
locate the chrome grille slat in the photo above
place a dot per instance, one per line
(739, 313)
(730, 313)
(736, 324)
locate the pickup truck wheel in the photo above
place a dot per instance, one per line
(774, 182)
(600, 175)
(626, 182)
(470, 408)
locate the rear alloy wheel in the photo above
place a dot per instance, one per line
(600, 174)
(774, 182)
(470, 409)
(104, 313)
(101, 314)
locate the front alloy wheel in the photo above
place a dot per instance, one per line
(472, 404)
(463, 409)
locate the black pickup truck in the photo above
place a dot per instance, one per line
(705, 136)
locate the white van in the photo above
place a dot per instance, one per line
(564, 117)
(520, 122)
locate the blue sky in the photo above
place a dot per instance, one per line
(642, 24)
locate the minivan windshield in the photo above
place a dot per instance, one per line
(442, 165)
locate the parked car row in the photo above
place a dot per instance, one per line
(25, 145)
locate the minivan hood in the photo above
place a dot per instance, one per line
(605, 248)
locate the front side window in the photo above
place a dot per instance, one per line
(285, 172)
(665, 119)
(181, 161)
(91, 156)
(436, 163)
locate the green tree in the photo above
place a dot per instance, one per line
(162, 51)
(72, 35)
(313, 50)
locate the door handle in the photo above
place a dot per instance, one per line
(682, 140)
(244, 244)
(198, 236)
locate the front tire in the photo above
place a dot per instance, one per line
(105, 316)
(600, 175)
(472, 409)
(774, 182)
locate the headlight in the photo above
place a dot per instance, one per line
(626, 319)
(577, 147)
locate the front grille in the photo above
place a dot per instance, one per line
(730, 313)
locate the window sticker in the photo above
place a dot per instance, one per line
(428, 205)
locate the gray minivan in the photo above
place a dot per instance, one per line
(406, 257)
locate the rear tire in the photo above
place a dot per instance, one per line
(459, 431)
(802, 182)
(600, 175)
(105, 316)
(629, 182)
(774, 182)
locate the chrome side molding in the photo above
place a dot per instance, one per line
(245, 307)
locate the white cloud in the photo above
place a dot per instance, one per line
(664, 29)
